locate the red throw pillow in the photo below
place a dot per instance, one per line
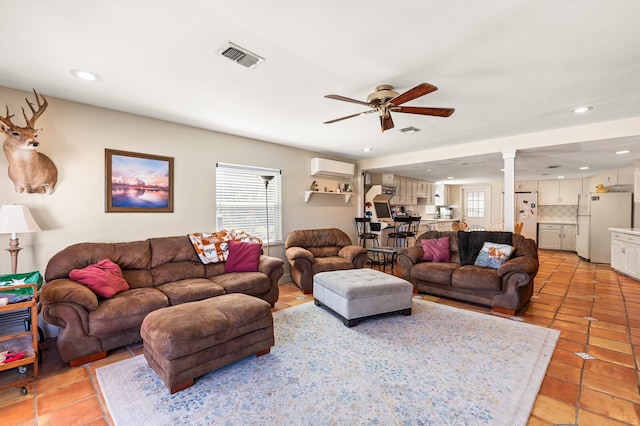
(436, 250)
(103, 278)
(243, 257)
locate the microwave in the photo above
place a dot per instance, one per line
(389, 190)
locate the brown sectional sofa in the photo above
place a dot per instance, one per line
(506, 289)
(160, 272)
(310, 251)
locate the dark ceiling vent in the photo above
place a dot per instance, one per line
(410, 129)
(240, 55)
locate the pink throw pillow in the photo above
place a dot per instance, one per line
(103, 278)
(243, 257)
(436, 250)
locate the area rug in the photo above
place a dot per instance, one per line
(439, 366)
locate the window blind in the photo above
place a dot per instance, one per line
(241, 203)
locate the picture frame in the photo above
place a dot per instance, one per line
(136, 182)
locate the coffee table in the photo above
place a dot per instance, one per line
(382, 256)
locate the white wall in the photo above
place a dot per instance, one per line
(75, 136)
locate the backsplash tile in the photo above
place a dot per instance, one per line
(559, 213)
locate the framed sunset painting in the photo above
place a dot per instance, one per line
(138, 182)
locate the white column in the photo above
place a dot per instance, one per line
(509, 188)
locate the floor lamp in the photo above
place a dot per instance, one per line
(13, 219)
(266, 180)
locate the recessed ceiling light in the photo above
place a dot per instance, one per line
(582, 109)
(626, 151)
(450, 177)
(560, 177)
(584, 168)
(86, 75)
(367, 149)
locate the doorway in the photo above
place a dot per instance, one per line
(476, 206)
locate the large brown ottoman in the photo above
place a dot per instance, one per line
(185, 341)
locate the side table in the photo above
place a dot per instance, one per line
(382, 256)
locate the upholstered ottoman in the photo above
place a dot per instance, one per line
(185, 341)
(355, 294)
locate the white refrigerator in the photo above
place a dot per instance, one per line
(527, 213)
(597, 212)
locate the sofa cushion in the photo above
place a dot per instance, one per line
(476, 278)
(437, 273)
(251, 283)
(177, 270)
(331, 263)
(125, 310)
(103, 278)
(470, 243)
(243, 257)
(436, 250)
(492, 255)
(190, 290)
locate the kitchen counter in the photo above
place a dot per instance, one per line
(631, 231)
(558, 222)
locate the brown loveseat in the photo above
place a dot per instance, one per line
(311, 251)
(506, 289)
(160, 272)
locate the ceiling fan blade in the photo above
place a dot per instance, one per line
(349, 116)
(438, 112)
(420, 90)
(386, 122)
(344, 98)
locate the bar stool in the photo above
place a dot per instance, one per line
(363, 226)
(401, 227)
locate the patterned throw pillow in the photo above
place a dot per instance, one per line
(214, 247)
(493, 255)
(436, 249)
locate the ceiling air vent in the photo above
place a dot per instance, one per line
(240, 55)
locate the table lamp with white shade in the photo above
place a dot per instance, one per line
(14, 219)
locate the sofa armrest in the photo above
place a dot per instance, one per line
(295, 253)
(66, 290)
(411, 255)
(352, 252)
(524, 264)
(268, 264)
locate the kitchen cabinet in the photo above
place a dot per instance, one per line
(556, 236)
(636, 184)
(421, 188)
(559, 192)
(526, 186)
(388, 179)
(23, 371)
(625, 253)
(441, 195)
(569, 237)
(550, 236)
(400, 183)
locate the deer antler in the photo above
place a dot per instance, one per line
(7, 120)
(36, 114)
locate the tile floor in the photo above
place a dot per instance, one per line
(596, 310)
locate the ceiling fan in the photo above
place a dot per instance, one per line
(385, 100)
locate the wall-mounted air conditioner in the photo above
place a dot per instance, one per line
(331, 168)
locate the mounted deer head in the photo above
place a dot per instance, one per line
(30, 170)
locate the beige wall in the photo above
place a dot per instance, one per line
(75, 136)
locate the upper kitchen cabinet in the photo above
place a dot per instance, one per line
(441, 194)
(559, 192)
(421, 188)
(526, 186)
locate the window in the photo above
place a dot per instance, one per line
(475, 204)
(240, 201)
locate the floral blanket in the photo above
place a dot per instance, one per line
(214, 247)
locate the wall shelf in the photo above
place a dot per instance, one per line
(346, 195)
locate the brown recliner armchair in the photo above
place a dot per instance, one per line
(310, 251)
